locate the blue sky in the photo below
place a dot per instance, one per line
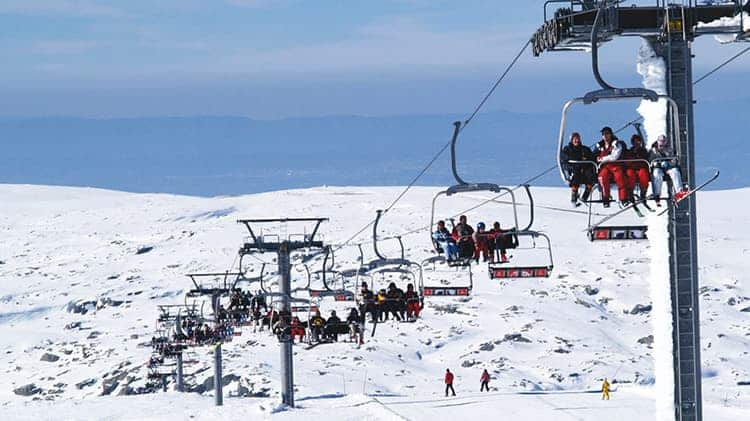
(282, 58)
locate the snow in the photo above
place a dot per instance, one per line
(653, 70)
(62, 246)
(727, 22)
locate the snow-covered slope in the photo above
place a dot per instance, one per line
(74, 287)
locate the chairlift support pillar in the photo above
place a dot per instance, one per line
(670, 29)
(284, 249)
(218, 393)
(180, 383)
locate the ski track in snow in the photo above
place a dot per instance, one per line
(68, 250)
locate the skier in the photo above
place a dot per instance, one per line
(394, 301)
(462, 233)
(663, 161)
(609, 150)
(316, 326)
(485, 380)
(449, 382)
(499, 241)
(366, 300)
(605, 389)
(332, 327)
(297, 329)
(481, 243)
(355, 323)
(445, 241)
(578, 173)
(637, 172)
(381, 305)
(412, 302)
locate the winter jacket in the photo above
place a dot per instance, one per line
(485, 377)
(610, 153)
(317, 321)
(448, 378)
(655, 154)
(353, 319)
(636, 153)
(575, 153)
(333, 320)
(442, 236)
(462, 230)
(411, 296)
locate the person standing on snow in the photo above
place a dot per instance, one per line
(485, 380)
(449, 382)
(605, 389)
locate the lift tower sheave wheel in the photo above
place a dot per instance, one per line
(670, 29)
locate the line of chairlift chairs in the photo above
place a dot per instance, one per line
(435, 276)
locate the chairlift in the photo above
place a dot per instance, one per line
(597, 230)
(339, 294)
(433, 268)
(497, 269)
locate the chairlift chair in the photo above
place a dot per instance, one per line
(508, 270)
(598, 230)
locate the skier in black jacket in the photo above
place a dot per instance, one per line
(578, 173)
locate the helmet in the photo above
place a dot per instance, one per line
(480, 225)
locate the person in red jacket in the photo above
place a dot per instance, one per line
(609, 151)
(485, 380)
(449, 382)
(412, 302)
(297, 329)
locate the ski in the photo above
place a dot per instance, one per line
(692, 191)
(637, 211)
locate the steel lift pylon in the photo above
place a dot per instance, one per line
(670, 28)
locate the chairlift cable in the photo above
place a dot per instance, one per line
(697, 81)
(442, 150)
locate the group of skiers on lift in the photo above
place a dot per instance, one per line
(464, 243)
(402, 305)
(611, 161)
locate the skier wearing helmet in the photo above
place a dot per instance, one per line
(481, 243)
(663, 160)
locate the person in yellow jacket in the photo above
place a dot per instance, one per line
(605, 389)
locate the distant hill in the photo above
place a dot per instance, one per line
(233, 155)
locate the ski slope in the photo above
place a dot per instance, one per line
(73, 286)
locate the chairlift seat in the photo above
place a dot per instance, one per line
(473, 187)
(446, 291)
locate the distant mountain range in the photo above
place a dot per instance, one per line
(211, 156)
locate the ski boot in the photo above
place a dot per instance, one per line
(586, 193)
(574, 198)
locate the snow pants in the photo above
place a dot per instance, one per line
(658, 177)
(609, 173)
(412, 309)
(450, 248)
(298, 332)
(482, 247)
(605, 394)
(485, 386)
(449, 386)
(638, 176)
